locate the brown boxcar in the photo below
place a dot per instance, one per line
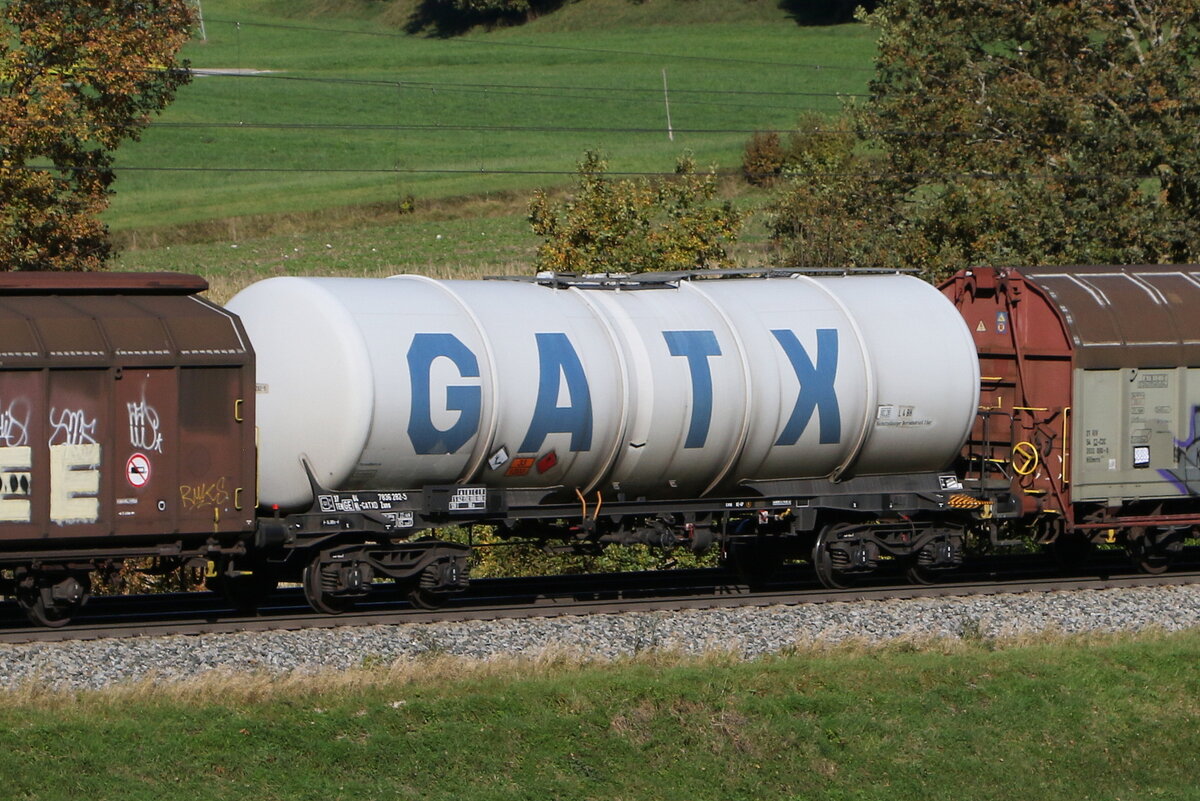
(126, 428)
(1090, 394)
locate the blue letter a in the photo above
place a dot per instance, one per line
(557, 358)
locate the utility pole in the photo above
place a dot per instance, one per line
(200, 17)
(666, 102)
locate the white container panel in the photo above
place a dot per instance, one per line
(315, 385)
(808, 380)
(434, 389)
(404, 382)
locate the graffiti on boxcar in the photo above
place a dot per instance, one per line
(204, 495)
(74, 467)
(74, 457)
(15, 465)
(75, 483)
(1186, 475)
(14, 423)
(72, 427)
(143, 427)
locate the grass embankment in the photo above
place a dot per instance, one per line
(353, 116)
(459, 238)
(430, 243)
(1111, 718)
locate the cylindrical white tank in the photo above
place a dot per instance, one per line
(673, 391)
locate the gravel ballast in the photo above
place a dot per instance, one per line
(749, 631)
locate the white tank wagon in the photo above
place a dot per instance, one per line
(667, 389)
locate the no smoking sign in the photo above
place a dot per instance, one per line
(137, 470)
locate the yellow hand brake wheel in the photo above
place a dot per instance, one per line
(1024, 458)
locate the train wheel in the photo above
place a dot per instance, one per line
(916, 574)
(936, 558)
(317, 585)
(823, 559)
(52, 600)
(1153, 550)
(1153, 565)
(421, 598)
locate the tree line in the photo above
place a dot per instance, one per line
(995, 132)
(1007, 132)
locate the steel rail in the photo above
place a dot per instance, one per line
(118, 617)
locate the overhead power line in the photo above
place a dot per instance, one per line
(441, 85)
(618, 95)
(319, 126)
(983, 135)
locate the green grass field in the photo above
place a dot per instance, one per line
(350, 111)
(1109, 718)
(304, 169)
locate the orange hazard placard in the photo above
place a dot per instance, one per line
(520, 466)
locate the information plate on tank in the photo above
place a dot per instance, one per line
(400, 519)
(469, 499)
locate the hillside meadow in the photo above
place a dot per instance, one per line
(309, 121)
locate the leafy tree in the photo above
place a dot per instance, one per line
(763, 158)
(635, 225)
(1019, 132)
(830, 217)
(77, 77)
(817, 143)
(452, 17)
(825, 12)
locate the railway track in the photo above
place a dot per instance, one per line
(202, 613)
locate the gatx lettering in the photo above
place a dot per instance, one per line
(564, 402)
(559, 365)
(467, 400)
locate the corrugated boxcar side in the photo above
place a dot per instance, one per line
(126, 410)
(1136, 382)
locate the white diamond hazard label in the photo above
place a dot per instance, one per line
(137, 470)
